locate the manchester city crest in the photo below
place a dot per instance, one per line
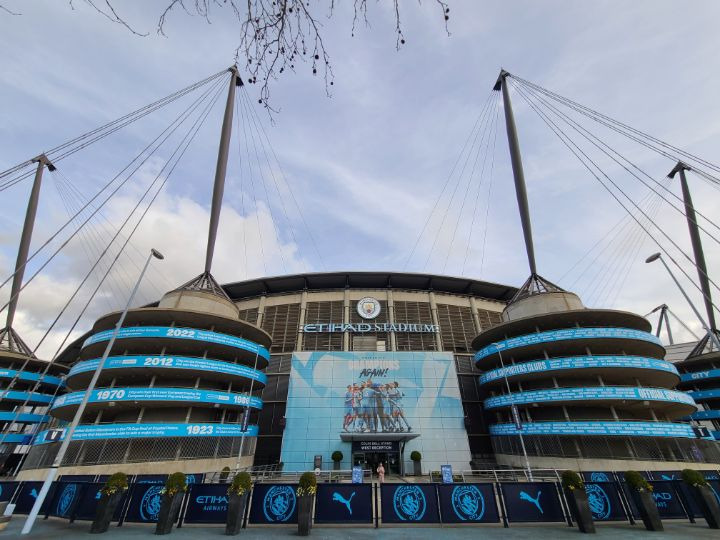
(279, 503)
(368, 307)
(150, 503)
(598, 501)
(66, 499)
(468, 503)
(599, 477)
(409, 503)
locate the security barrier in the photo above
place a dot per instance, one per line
(366, 504)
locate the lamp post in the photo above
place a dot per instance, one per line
(52, 473)
(515, 413)
(654, 257)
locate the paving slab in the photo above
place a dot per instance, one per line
(55, 529)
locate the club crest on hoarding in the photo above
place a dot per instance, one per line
(409, 503)
(150, 503)
(279, 503)
(598, 501)
(66, 498)
(468, 503)
(368, 307)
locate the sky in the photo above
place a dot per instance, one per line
(372, 176)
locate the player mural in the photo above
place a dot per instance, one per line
(337, 397)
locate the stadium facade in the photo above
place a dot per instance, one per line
(291, 369)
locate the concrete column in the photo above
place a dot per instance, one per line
(391, 319)
(475, 316)
(303, 309)
(261, 310)
(434, 313)
(346, 319)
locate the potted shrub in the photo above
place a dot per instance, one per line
(224, 474)
(415, 456)
(110, 496)
(641, 492)
(306, 494)
(237, 500)
(577, 499)
(337, 457)
(172, 496)
(704, 497)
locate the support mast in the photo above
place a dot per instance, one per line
(696, 241)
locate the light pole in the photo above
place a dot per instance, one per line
(713, 336)
(52, 473)
(515, 413)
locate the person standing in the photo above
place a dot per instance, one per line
(381, 472)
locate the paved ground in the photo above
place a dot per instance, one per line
(60, 529)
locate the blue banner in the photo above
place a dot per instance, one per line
(7, 490)
(274, 504)
(207, 503)
(532, 501)
(577, 362)
(468, 503)
(667, 499)
(409, 503)
(23, 418)
(172, 332)
(170, 362)
(446, 473)
(598, 476)
(30, 376)
(65, 498)
(594, 393)
(89, 499)
(357, 475)
(141, 431)
(700, 375)
(705, 415)
(705, 394)
(145, 501)
(563, 335)
(26, 498)
(33, 399)
(640, 429)
(343, 503)
(184, 395)
(604, 501)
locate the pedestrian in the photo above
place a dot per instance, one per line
(381, 472)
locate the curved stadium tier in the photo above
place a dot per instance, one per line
(180, 390)
(587, 384)
(700, 378)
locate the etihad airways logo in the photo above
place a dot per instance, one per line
(370, 327)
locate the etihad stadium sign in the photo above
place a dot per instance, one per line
(370, 327)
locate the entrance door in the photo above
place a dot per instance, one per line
(390, 460)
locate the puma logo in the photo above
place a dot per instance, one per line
(339, 498)
(536, 501)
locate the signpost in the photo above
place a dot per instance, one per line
(447, 476)
(357, 475)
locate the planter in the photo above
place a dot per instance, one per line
(236, 512)
(708, 504)
(336, 465)
(305, 504)
(648, 509)
(169, 512)
(417, 468)
(580, 509)
(105, 512)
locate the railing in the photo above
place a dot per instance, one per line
(274, 473)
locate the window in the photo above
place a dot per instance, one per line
(282, 322)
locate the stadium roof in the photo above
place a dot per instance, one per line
(368, 280)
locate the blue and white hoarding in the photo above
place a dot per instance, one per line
(397, 394)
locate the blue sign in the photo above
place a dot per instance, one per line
(172, 332)
(343, 503)
(170, 362)
(705, 415)
(149, 431)
(705, 394)
(274, 504)
(598, 393)
(145, 502)
(640, 429)
(26, 498)
(409, 503)
(29, 376)
(604, 501)
(577, 362)
(189, 395)
(532, 501)
(700, 375)
(207, 503)
(89, 498)
(468, 503)
(564, 335)
(446, 472)
(65, 498)
(357, 475)
(7, 490)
